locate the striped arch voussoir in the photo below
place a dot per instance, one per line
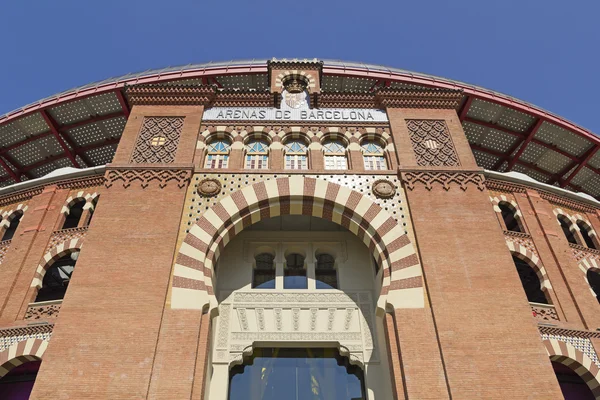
(52, 255)
(8, 215)
(503, 199)
(20, 353)
(566, 354)
(523, 253)
(296, 195)
(586, 264)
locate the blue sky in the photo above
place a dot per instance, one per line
(545, 52)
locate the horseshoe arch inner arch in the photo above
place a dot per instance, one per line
(192, 283)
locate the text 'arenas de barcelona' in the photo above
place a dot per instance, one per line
(297, 229)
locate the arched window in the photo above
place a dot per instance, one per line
(593, 278)
(17, 384)
(75, 212)
(510, 218)
(257, 154)
(218, 153)
(325, 272)
(295, 154)
(57, 278)
(584, 229)
(14, 223)
(373, 155)
(565, 224)
(264, 272)
(335, 154)
(530, 281)
(294, 273)
(93, 208)
(296, 373)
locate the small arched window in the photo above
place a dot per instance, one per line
(335, 154)
(12, 227)
(257, 154)
(218, 153)
(530, 282)
(584, 229)
(510, 218)
(264, 272)
(565, 224)
(295, 154)
(593, 278)
(294, 273)
(93, 208)
(373, 155)
(57, 278)
(325, 272)
(75, 212)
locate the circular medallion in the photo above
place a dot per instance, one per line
(384, 188)
(209, 187)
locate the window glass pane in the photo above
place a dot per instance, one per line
(257, 147)
(294, 273)
(216, 161)
(334, 146)
(296, 161)
(335, 162)
(295, 146)
(298, 374)
(325, 272)
(257, 161)
(375, 163)
(219, 146)
(372, 147)
(264, 272)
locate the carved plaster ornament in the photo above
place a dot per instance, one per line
(295, 93)
(384, 188)
(209, 187)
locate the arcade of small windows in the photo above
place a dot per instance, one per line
(257, 154)
(530, 282)
(77, 216)
(9, 232)
(295, 272)
(218, 153)
(334, 152)
(578, 233)
(509, 216)
(295, 154)
(373, 156)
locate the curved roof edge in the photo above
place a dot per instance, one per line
(333, 67)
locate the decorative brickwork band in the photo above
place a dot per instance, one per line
(566, 354)
(65, 235)
(446, 179)
(43, 310)
(297, 195)
(391, 97)
(20, 353)
(146, 177)
(176, 95)
(158, 140)
(432, 143)
(4, 245)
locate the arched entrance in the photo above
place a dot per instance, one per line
(192, 285)
(568, 361)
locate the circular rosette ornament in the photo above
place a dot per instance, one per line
(384, 189)
(209, 187)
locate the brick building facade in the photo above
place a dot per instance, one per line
(435, 240)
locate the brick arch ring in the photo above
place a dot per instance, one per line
(21, 352)
(566, 354)
(88, 198)
(587, 264)
(523, 253)
(192, 284)
(51, 256)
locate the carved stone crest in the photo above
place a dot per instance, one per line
(295, 93)
(384, 188)
(209, 187)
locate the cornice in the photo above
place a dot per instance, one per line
(238, 98)
(553, 330)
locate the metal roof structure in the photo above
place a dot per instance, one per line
(82, 127)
